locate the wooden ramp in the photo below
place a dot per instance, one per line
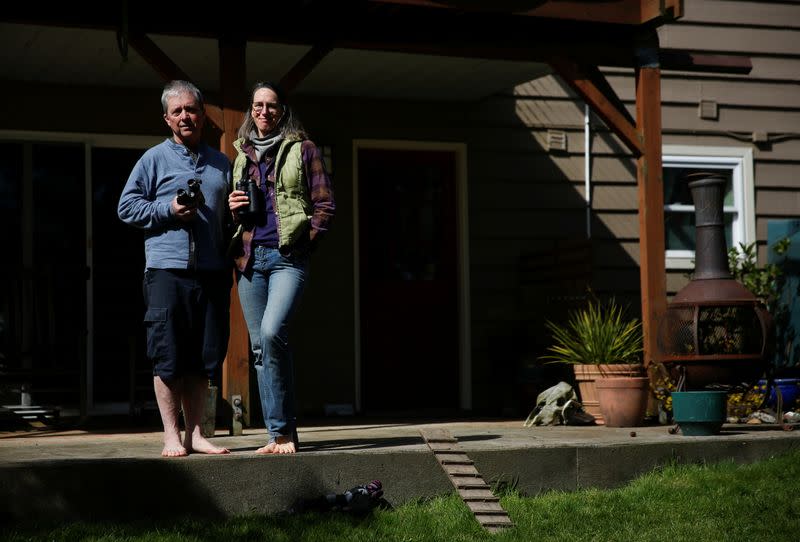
(469, 483)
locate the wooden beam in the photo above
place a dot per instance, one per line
(632, 12)
(168, 70)
(629, 12)
(236, 369)
(682, 60)
(214, 115)
(595, 91)
(661, 9)
(599, 80)
(158, 59)
(652, 269)
(233, 92)
(372, 26)
(304, 66)
(604, 53)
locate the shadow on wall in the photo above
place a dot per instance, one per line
(531, 257)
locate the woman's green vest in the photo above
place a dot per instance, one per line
(292, 202)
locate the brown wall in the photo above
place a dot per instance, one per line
(523, 197)
(765, 100)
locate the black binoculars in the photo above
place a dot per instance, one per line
(192, 196)
(255, 206)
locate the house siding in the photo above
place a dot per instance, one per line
(766, 100)
(539, 195)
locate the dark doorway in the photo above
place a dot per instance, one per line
(121, 373)
(43, 301)
(409, 281)
(59, 263)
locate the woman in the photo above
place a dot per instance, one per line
(292, 208)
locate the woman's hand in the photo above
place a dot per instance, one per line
(236, 200)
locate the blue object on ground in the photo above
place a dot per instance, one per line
(789, 388)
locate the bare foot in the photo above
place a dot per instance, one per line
(173, 449)
(268, 449)
(199, 444)
(281, 445)
(168, 398)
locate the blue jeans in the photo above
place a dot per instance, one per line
(269, 294)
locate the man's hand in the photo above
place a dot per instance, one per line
(185, 213)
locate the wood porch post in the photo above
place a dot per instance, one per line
(644, 141)
(652, 267)
(236, 369)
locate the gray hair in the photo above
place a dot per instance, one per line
(177, 87)
(289, 125)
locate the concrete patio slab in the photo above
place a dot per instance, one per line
(63, 475)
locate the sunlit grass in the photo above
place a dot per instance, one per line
(720, 502)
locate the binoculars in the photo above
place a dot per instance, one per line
(192, 196)
(255, 206)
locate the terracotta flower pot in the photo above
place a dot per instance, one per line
(623, 400)
(586, 375)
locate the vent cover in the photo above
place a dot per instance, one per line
(708, 110)
(556, 140)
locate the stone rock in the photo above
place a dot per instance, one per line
(791, 417)
(762, 417)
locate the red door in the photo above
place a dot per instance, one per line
(409, 281)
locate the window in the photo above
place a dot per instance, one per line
(737, 165)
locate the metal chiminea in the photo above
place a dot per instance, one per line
(715, 330)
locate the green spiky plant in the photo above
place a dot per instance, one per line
(598, 334)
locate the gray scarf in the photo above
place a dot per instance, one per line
(264, 145)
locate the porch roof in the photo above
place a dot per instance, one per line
(454, 50)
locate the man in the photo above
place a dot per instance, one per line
(186, 281)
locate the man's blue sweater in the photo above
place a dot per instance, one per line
(145, 203)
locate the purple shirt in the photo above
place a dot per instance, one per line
(266, 230)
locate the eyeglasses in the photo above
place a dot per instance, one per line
(272, 107)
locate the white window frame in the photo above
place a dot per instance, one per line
(737, 160)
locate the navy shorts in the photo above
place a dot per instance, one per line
(187, 321)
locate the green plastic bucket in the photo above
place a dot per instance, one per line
(699, 413)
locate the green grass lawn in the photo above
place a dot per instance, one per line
(720, 502)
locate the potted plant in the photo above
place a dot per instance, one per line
(600, 342)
